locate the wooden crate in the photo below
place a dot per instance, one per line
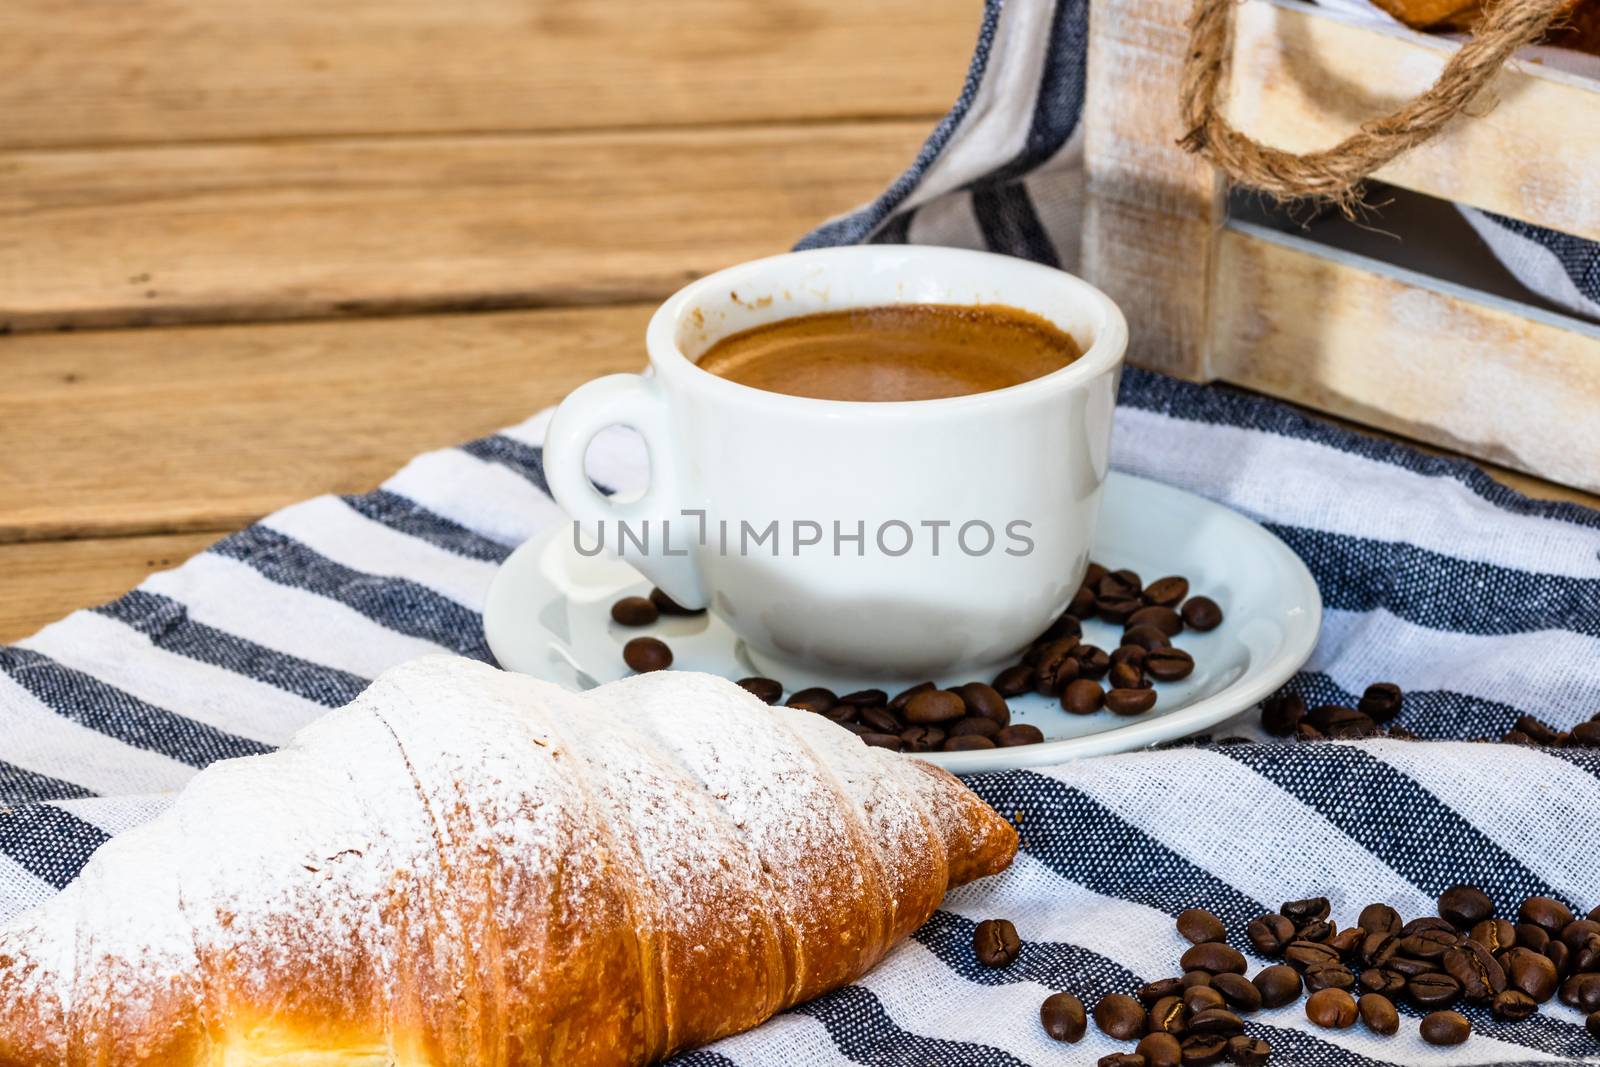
(1214, 298)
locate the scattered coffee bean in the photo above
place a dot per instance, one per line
(1532, 936)
(1121, 1059)
(1081, 605)
(1428, 944)
(1200, 1050)
(883, 720)
(1328, 976)
(1379, 918)
(1558, 953)
(1161, 617)
(1126, 675)
(1592, 1024)
(1014, 680)
(1056, 666)
(1378, 1013)
(1496, 935)
(646, 654)
(1213, 957)
(1513, 1005)
(1214, 1021)
(1432, 990)
(1240, 993)
(1480, 976)
(1270, 934)
(1545, 912)
(934, 706)
(1160, 1050)
(1201, 613)
(1585, 735)
(1120, 1016)
(974, 726)
(1346, 942)
(1168, 664)
(1203, 998)
(1300, 912)
(1305, 954)
(765, 689)
(1410, 967)
(1149, 638)
(816, 698)
(1248, 1051)
(635, 611)
(1093, 662)
(1530, 971)
(1063, 1017)
(1464, 906)
(865, 698)
(889, 741)
(1133, 655)
(1582, 991)
(1427, 922)
(921, 738)
(1445, 1028)
(1578, 931)
(1332, 1009)
(1168, 1015)
(1167, 591)
(995, 942)
(1151, 992)
(1381, 701)
(1319, 930)
(843, 714)
(1019, 733)
(1193, 978)
(1199, 926)
(967, 743)
(986, 702)
(1340, 722)
(899, 701)
(667, 606)
(1120, 583)
(1279, 985)
(1378, 980)
(1129, 701)
(1116, 609)
(1083, 697)
(1281, 715)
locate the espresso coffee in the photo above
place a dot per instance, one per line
(894, 352)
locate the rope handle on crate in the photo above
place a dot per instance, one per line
(1333, 174)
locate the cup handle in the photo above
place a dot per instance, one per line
(637, 401)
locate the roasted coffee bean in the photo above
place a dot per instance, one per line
(645, 654)
(1167, 1016)
(1056, 666)
(1281, 715)
(1445, 1028)
(765, 690)
(1379, 919)
(1480, 976)
(1083, 697)
(1464, 906)
(1063, 1017)
(1538, 731)
(934, 706)
(1203, 997)
(1581, 991)
(1335, 720)
(1130, 701)
(1304, 911)
(889, 741)
(1592, 1024)
(1200, 1050)
(1094, 574)
(1303, 954)
(1427, 922)
(902, 698)
(1332, 1009)
(973, 726)
(1162, 618)
(865, 698)
(1550, 914)
(1081, 606)
(1240, 993)
(1513, 1005)
(1122, 583)
(1410, 967)
(1133, 655)
(1019, 733)
(635, 611)
(1121, 1059)
(1120, 1016)
(1067, 625)
(1201, 613)
(1215, 1021)
(1126, 676)
(967, 743)
(1379, 980)
(1328, 976)
(1117, 609)
(1146, 637)
(815, 699)
(1433, 990)
(985, 701)
(1496, 935)
(1381, 701)
(921, 738)
(1586, 956)
(1279, 985)
(1151, 992)
(995, 942)
(1160, 1050)
(1213, 957)
(1585, 735)
(1199, 926)
(1428, 944)
(1014, 680)
(1306, 732)
(1576, 932)
(1168, 591)
(1532, 936)
(667, 606)
(1093, 661)
(1594, 912)
(1248, 1051)
(1347, 943)
(1530, 971)
(859, 729)
(883, 720)
(1558, 953)
(1269, 934)
(1516, 737)
(1319, 930)
(1401, 733)
(1193, 978)
(841, 713)
(1168, 664)
(1378, 1013)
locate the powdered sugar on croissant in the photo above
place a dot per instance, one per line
(469, 866)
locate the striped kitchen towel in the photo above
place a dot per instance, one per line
(1484, 605)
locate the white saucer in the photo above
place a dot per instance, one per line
(549, 615)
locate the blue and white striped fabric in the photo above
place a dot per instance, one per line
(1482, 604)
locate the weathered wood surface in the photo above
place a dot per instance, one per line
(84, 72)
(1419, 358)
(233, 233)
(1304, 79)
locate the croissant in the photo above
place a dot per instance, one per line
(465, 866)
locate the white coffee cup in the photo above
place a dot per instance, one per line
(727, 461)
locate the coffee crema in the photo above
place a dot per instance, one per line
(894, 352)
